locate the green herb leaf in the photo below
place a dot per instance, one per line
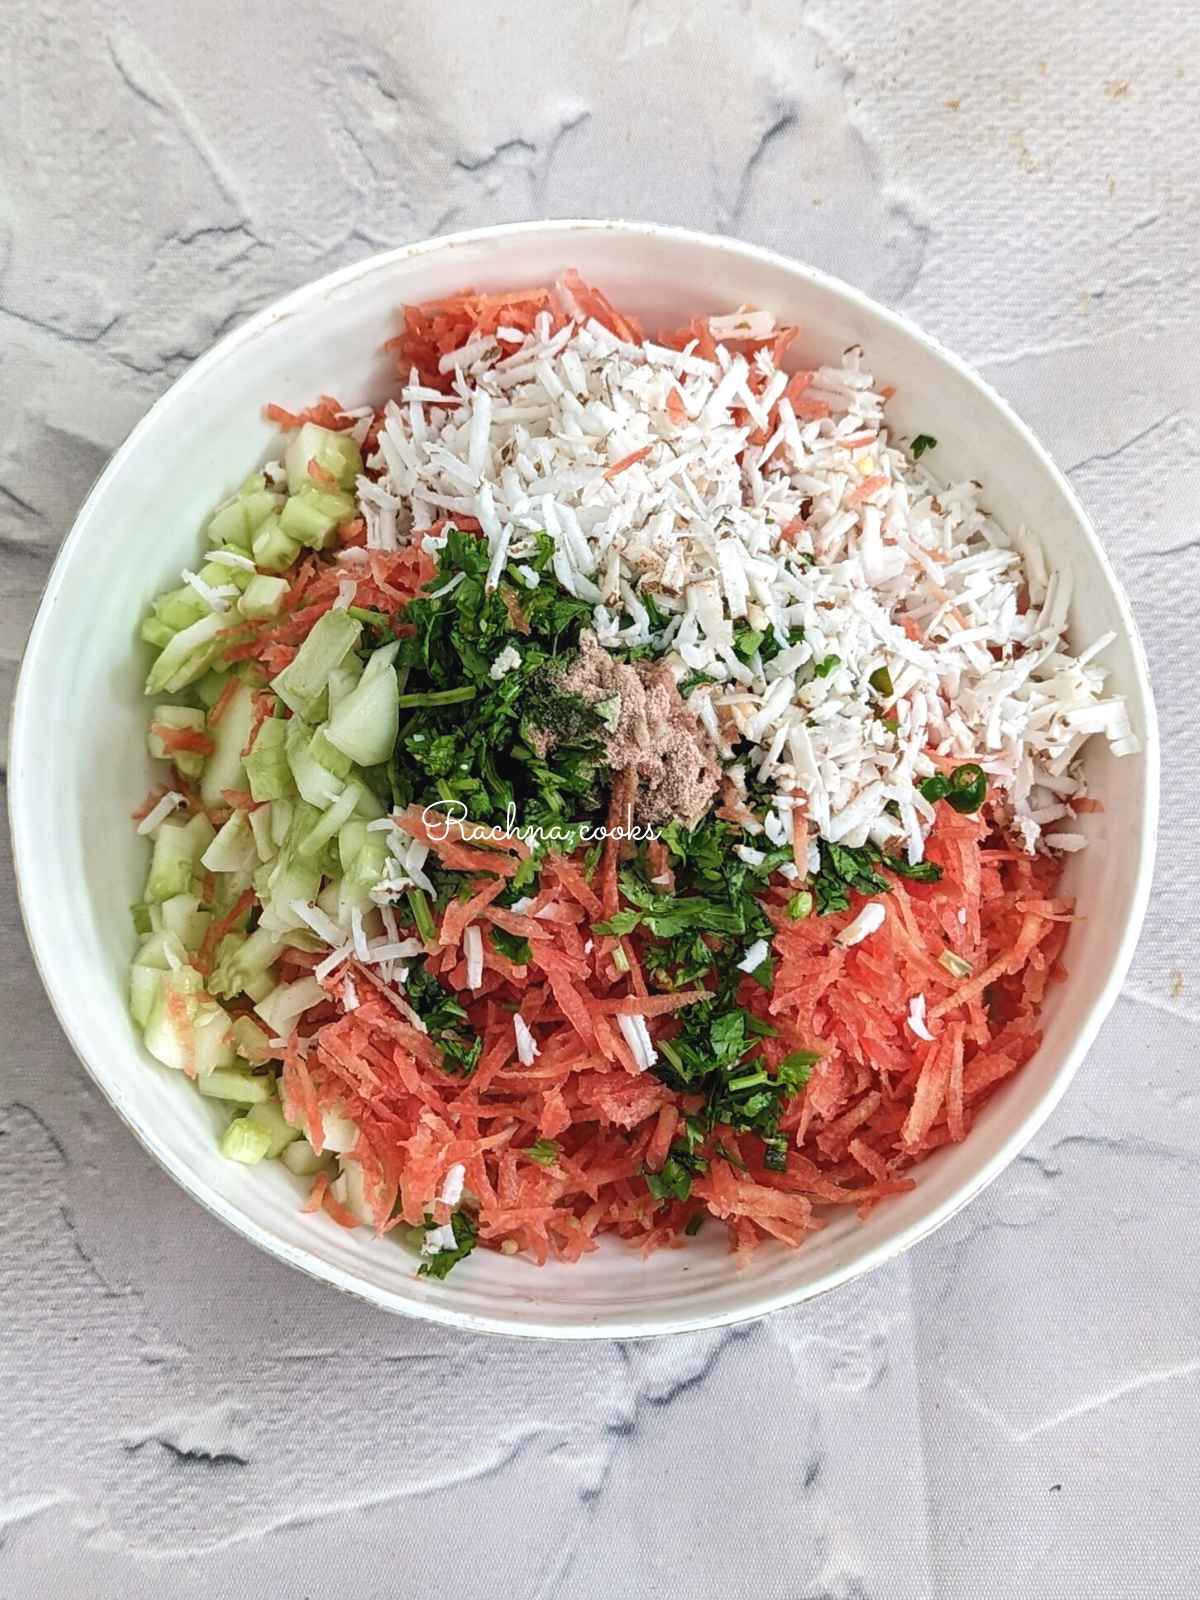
(919, 871)
(674, 1179)
(465, 1234)
(511, 946)
(482, 743)
(444, 1017)
(544, 1151)
(843, 869)
(746, 640)
(764, 973)
(923, 442)
(694, 680)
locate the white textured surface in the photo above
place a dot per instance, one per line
(1011, 1409)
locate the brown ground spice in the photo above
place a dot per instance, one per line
(656, 736)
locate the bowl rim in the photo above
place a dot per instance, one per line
(589, 1325)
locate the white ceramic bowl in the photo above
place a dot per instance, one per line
(78, 762)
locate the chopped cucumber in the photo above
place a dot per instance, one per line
(267, 770)
(287, 1002)
(302, 683)
(319, 835)
(327, 755)
(311, 516)
(206, 691)
(245, 1141)
(369, 804)
(252, 1042)
(364, 725)
(183, 916)
(156, 632)
(189, 762)
(186, 656)
(282, 813)
(173, 862)
(202, 834)
(224, 768)
(368, 866)
(351, 838)
(259, 988)
(216, 574)
(238, 963)
(289, 878)
(162, 952)
(228, 526)
(262, 597)
(304, 1161)
(233, 848)
(186, 1030)
(230, 1083)
(343, 679)
(335, 453)
(317, 784)
(228, 889)
(268, 1116)
(179, 608)
(234, 524)
(273, 549)
(144, 985)
(260, 827)
(330, 899)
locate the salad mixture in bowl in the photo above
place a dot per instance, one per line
(616, 787)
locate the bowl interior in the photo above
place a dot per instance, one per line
(79, 764)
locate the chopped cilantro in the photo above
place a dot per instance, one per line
(746, 640)
(673, 1180)
(844, 868)
(923, 442)
(919, 871)
(693, 681)
(716, 1054)
(827, 665)
(511, 946)
(764, 972)
(444, 1018)
(465, 1234)
(470, 739)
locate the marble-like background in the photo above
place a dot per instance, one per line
(1011, 1409)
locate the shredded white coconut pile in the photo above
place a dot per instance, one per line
(828, 539)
